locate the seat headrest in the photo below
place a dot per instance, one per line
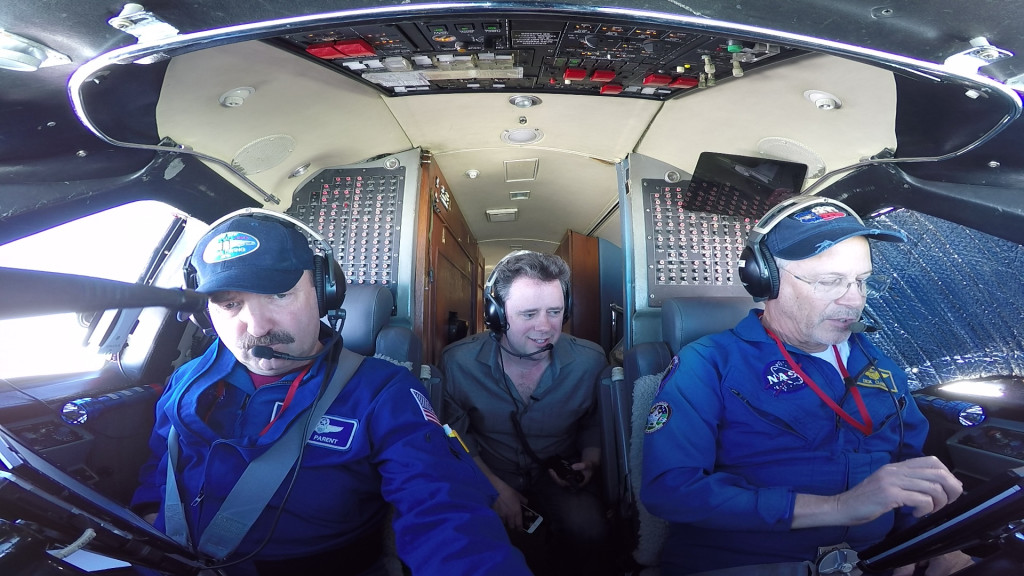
(684, 320)
(367, 310)
(400, 344)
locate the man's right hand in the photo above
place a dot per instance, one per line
(923, 484)
(509, 505)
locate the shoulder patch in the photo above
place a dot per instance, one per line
(779, 377)
(425, 407)
(658, 417)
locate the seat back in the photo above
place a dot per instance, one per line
(367, 331)
(402, 346)
(367, 311)
(629, 395)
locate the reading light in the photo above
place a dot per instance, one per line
(823, 100)
(522, 136)
(522, 101)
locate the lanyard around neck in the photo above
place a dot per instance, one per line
(288, 397)
(865, 426)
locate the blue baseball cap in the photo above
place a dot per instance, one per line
(251, 254)
(822, 225)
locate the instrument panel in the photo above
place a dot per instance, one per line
(534, 54)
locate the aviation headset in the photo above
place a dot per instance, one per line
(494, 306)
(328, 277)
(759, 272)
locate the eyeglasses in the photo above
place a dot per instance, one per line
(833, 287)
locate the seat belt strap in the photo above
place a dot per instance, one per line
(262, 477)
(174, 511)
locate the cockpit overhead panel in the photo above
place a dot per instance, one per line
(536, 54)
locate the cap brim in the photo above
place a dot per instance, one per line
(820, 243)
(256, 281)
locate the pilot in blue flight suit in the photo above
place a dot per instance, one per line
(791, 434)
(378, 443)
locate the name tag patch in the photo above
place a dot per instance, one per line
(334, 432)
(877, 378)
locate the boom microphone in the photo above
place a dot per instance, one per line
(546, 348)
(268, 353)
(867, 323)
(858, 327)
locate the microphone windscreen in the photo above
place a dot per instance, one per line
(264, 352)
(858, 327)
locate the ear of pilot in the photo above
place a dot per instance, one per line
(778, 444)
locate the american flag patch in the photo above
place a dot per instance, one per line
(425, 407)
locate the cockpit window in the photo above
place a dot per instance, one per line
(116, 244)
(954, 308)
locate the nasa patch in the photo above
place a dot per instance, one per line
(334, 432)
(779, 377)
(657, 417)
(228, 246)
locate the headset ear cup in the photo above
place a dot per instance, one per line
(330, 284)
(335, 286)
(753, 274)
(494, 313)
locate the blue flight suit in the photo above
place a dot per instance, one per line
(734, 434)
(381, 445)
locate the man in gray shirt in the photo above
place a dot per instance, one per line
(524, 399)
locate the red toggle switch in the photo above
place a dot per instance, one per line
(602, 76)
(323, 50)
(611, 89)
(574, 74)
(657, 80)
(354, 48)
(683, 82)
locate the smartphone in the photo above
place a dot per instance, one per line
(531, 520)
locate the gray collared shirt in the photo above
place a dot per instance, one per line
(560, 418)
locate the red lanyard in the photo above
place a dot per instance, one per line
(288, 397)
(864, 426)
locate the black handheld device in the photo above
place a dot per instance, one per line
(563, 469)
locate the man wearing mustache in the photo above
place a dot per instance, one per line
(772, 445)
(328, 462)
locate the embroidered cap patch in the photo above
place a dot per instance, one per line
(228, 246)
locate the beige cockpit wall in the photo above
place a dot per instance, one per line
(297, 112)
